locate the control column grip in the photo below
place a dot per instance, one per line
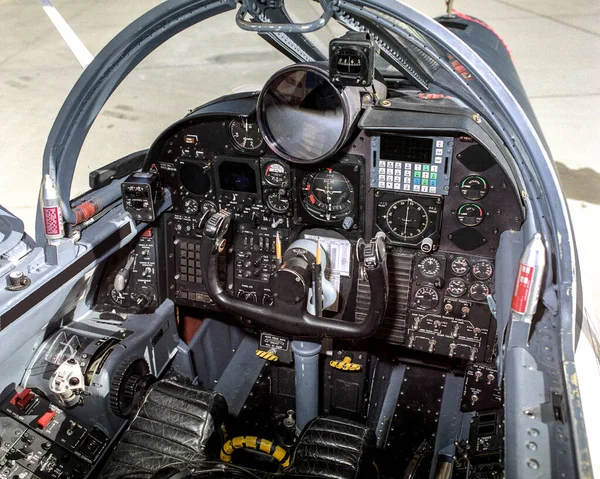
(293, 319)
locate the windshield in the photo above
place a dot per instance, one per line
(197, 65)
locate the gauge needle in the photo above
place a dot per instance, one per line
(405, 222)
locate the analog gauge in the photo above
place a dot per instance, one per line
(482, 270)
(426, 297)
(327, 194)
(457, 287)
(278, 201)
(478, 291)
(245, 134)
(407, 219)
(194, 178)
(429, 266)
(470, 214)
(460, 266)
(208, 207)
(275, 173)
(474, 187)
(190, 206)
(117, 296)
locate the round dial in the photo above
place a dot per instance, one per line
(278, 201)
(275, 173)
(117, 296)
(245, 134)
(194, 178)
(482, 270)
(429, 266)
(478, 291)
(460, 266)
(470, 214)
(208, 206)
(190, 206)
(457, 287)
(407, 219)
(474, 187)
(426, 297)
(144, 297)
(327, 194)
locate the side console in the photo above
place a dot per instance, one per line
(132, 281)
(37, 440)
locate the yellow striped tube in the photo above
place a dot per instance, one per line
(252, 442)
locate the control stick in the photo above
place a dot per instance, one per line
(293, 319)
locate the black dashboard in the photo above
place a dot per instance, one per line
(439, 196)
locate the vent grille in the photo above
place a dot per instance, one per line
(393, 326)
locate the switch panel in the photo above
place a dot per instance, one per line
(38, 440)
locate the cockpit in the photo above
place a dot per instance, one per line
(315, 279)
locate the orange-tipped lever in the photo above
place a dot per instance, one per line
(318, 254)
(277, 249)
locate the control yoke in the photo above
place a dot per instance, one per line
(294, 319)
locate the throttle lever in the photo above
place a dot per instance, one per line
(122, 277)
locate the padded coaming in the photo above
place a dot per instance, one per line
(175, 426)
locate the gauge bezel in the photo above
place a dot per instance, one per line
(264, 164)
(274, 191)
(482, 278)
(427, 287)
(485, 181)
(191, 199)
(460, 275)
(317, 212)
(254, 151)
(352, 167)
(463, 205)
(402, 237)
(477, 283)
(348, 97)
(180, 164)
(464, 284)
(438, 270)
(432, 204)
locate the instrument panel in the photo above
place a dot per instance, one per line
(441, 199)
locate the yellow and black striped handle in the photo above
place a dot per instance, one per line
(267, 355)
(252, 442)
(345, 364)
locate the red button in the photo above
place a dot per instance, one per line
(22, 399)
(147, 233)
(45, 419)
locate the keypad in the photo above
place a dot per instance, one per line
(189, 262)
(404, 176)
